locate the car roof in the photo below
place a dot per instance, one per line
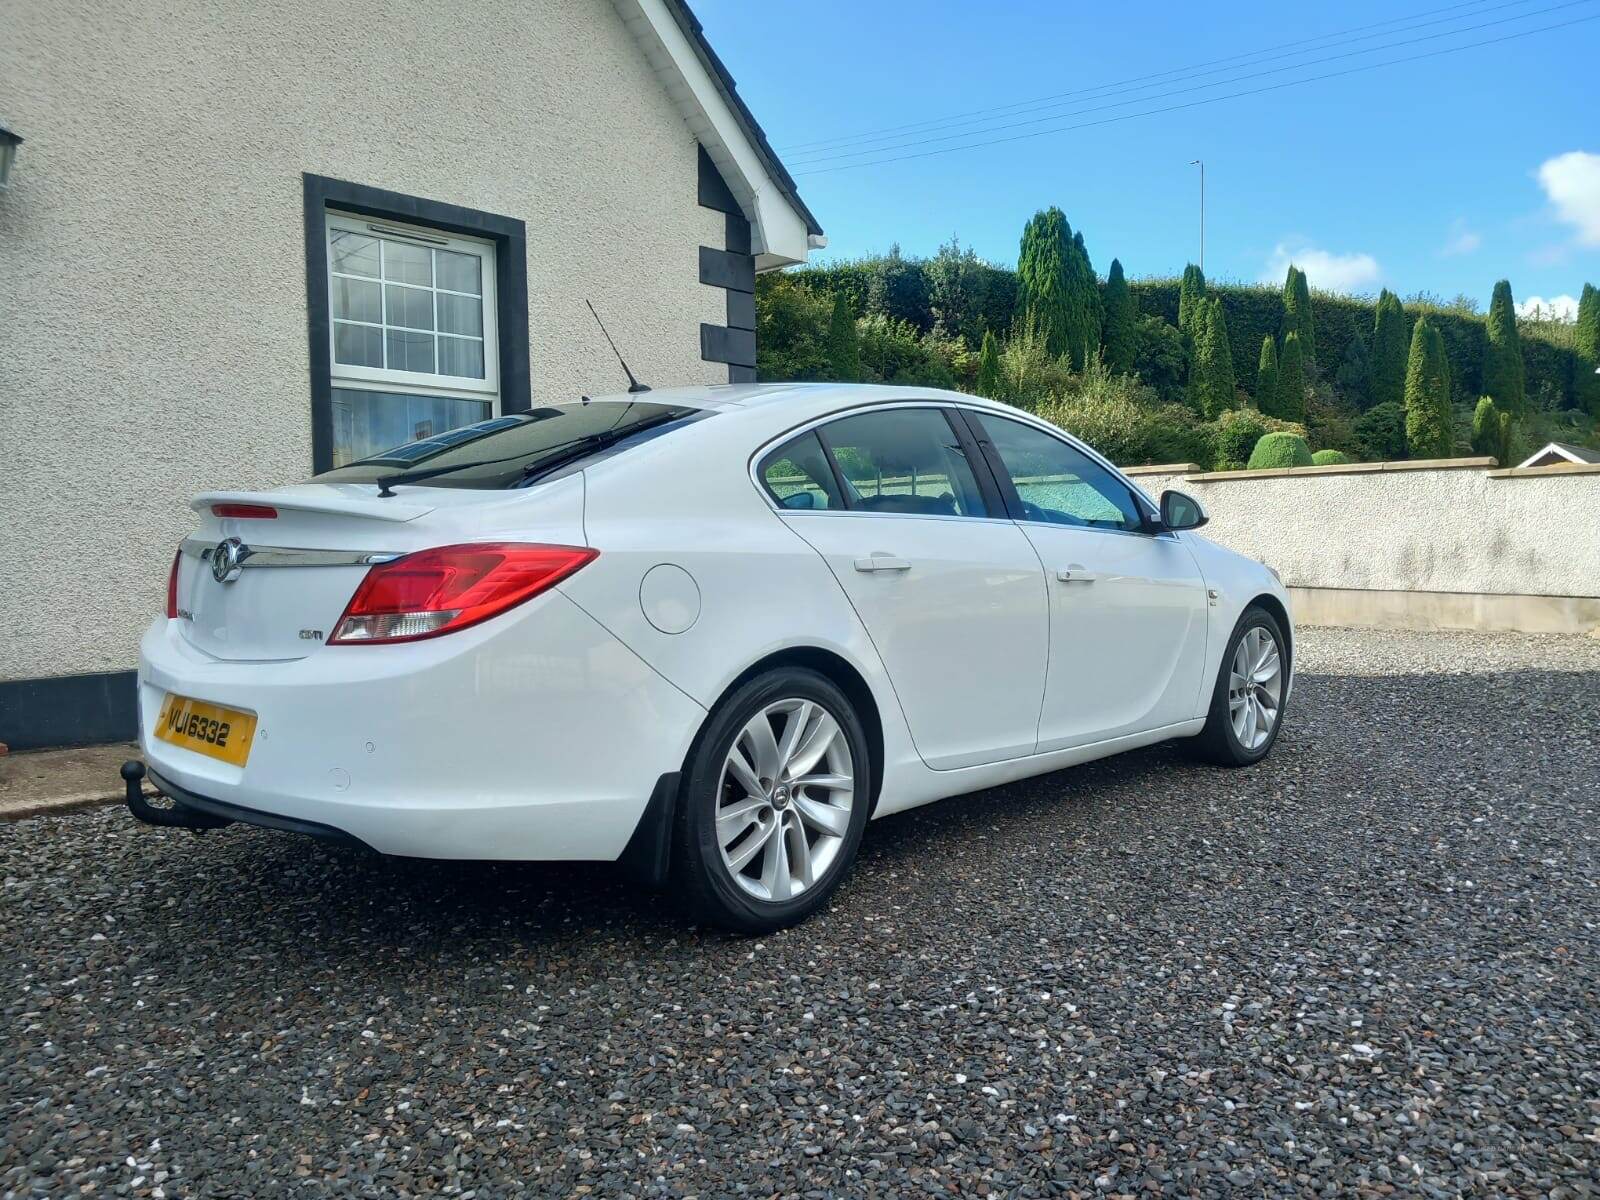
(797, 395)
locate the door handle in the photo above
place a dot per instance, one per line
(882, 562)
(1075, 574)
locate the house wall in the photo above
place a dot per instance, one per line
(1453, 544)
(153, 311)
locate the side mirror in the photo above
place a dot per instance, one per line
(1182, 511)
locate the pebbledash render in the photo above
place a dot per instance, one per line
(242, 244)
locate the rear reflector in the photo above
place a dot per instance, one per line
(447, 588)
(172, 586)
(263, 512)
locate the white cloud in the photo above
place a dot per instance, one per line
(1463, 240)
(1558, 308)
(1324, 269)
(1571, 183)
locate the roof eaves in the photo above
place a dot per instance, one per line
(695, 32)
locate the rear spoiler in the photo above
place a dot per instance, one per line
(318, 498)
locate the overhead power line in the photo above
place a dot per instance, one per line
(826, 157)
(1271, 87)
(1158, 75)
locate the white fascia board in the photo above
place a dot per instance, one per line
(778, 233)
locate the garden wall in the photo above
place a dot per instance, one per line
(1446, 544)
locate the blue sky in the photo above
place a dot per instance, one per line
(1442, 174)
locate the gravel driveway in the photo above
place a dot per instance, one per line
(1369, 966)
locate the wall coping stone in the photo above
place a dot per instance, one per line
(1415, 464)
(1164, 469)
(1550, 472)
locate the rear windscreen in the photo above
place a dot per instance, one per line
(522, 447)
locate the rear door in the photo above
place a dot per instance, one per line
(1127, 605)
(949, 590)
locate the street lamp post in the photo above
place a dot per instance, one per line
(1196, 162)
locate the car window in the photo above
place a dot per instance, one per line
(798, 476)
(1057, 483)
(904, 460)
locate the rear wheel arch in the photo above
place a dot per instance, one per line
(843, 675)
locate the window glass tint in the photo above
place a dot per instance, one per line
(507, 450)
(905, 460)
(798, 476)
(1057, 483)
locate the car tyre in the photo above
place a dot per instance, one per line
(1248, 700)
(773, 803)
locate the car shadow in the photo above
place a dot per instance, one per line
(314, 903)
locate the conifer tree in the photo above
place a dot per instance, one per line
(1084, 311)
(1267, 377)
(1486, 438)
(1428, 431)
(844, 348)
(1389, 352)
(988, 381)
(1587, 340)
(1502, 358)
(1291, 379)
(1191, 291)
(1121, 333)
(1043, 286)
(1214, 361)
(1354, 376)
(1297, 312)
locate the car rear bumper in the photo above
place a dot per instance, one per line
(534, 736)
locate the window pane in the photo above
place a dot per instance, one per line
(798, 477)
(353, 253)
(460, 314)
(459, 272)
(404, 263)
(905, 460)
(411, 308)
(358, 300)
(1058, 484)
(357, 345)
(461, 356)
(368, 423)
(410, 351)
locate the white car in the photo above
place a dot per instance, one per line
(708, 632)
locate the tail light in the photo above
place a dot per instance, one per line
(259, 512)
(172, 586)
(447, 588)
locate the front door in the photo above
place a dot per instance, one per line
(949, 590)
(1127, 607)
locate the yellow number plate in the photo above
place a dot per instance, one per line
(208, 729)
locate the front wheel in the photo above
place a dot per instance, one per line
(774, 802)
(1248, 700)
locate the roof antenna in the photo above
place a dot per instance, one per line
(633, 384)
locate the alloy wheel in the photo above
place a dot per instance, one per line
(785, 799)
(1255, 688)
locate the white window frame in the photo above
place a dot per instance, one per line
(383, 379)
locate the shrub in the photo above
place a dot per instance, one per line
(1381, 432)
(791, 329)
(1330, 422)
(1056, 288)
(1280, 450)
(1235, 433)
(1228, 464)
(1029, 374)
(1503, 378)
(1428, 421)
(1329, 458)
(893, 352)
(988, 382)
(1586, 337)
(1119, 417)
(1354, 376)
(1160, 359)
(1191, 291)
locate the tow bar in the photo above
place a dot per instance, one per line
(180, 815)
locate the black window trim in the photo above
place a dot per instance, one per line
(511, 288)
(1013, 501)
